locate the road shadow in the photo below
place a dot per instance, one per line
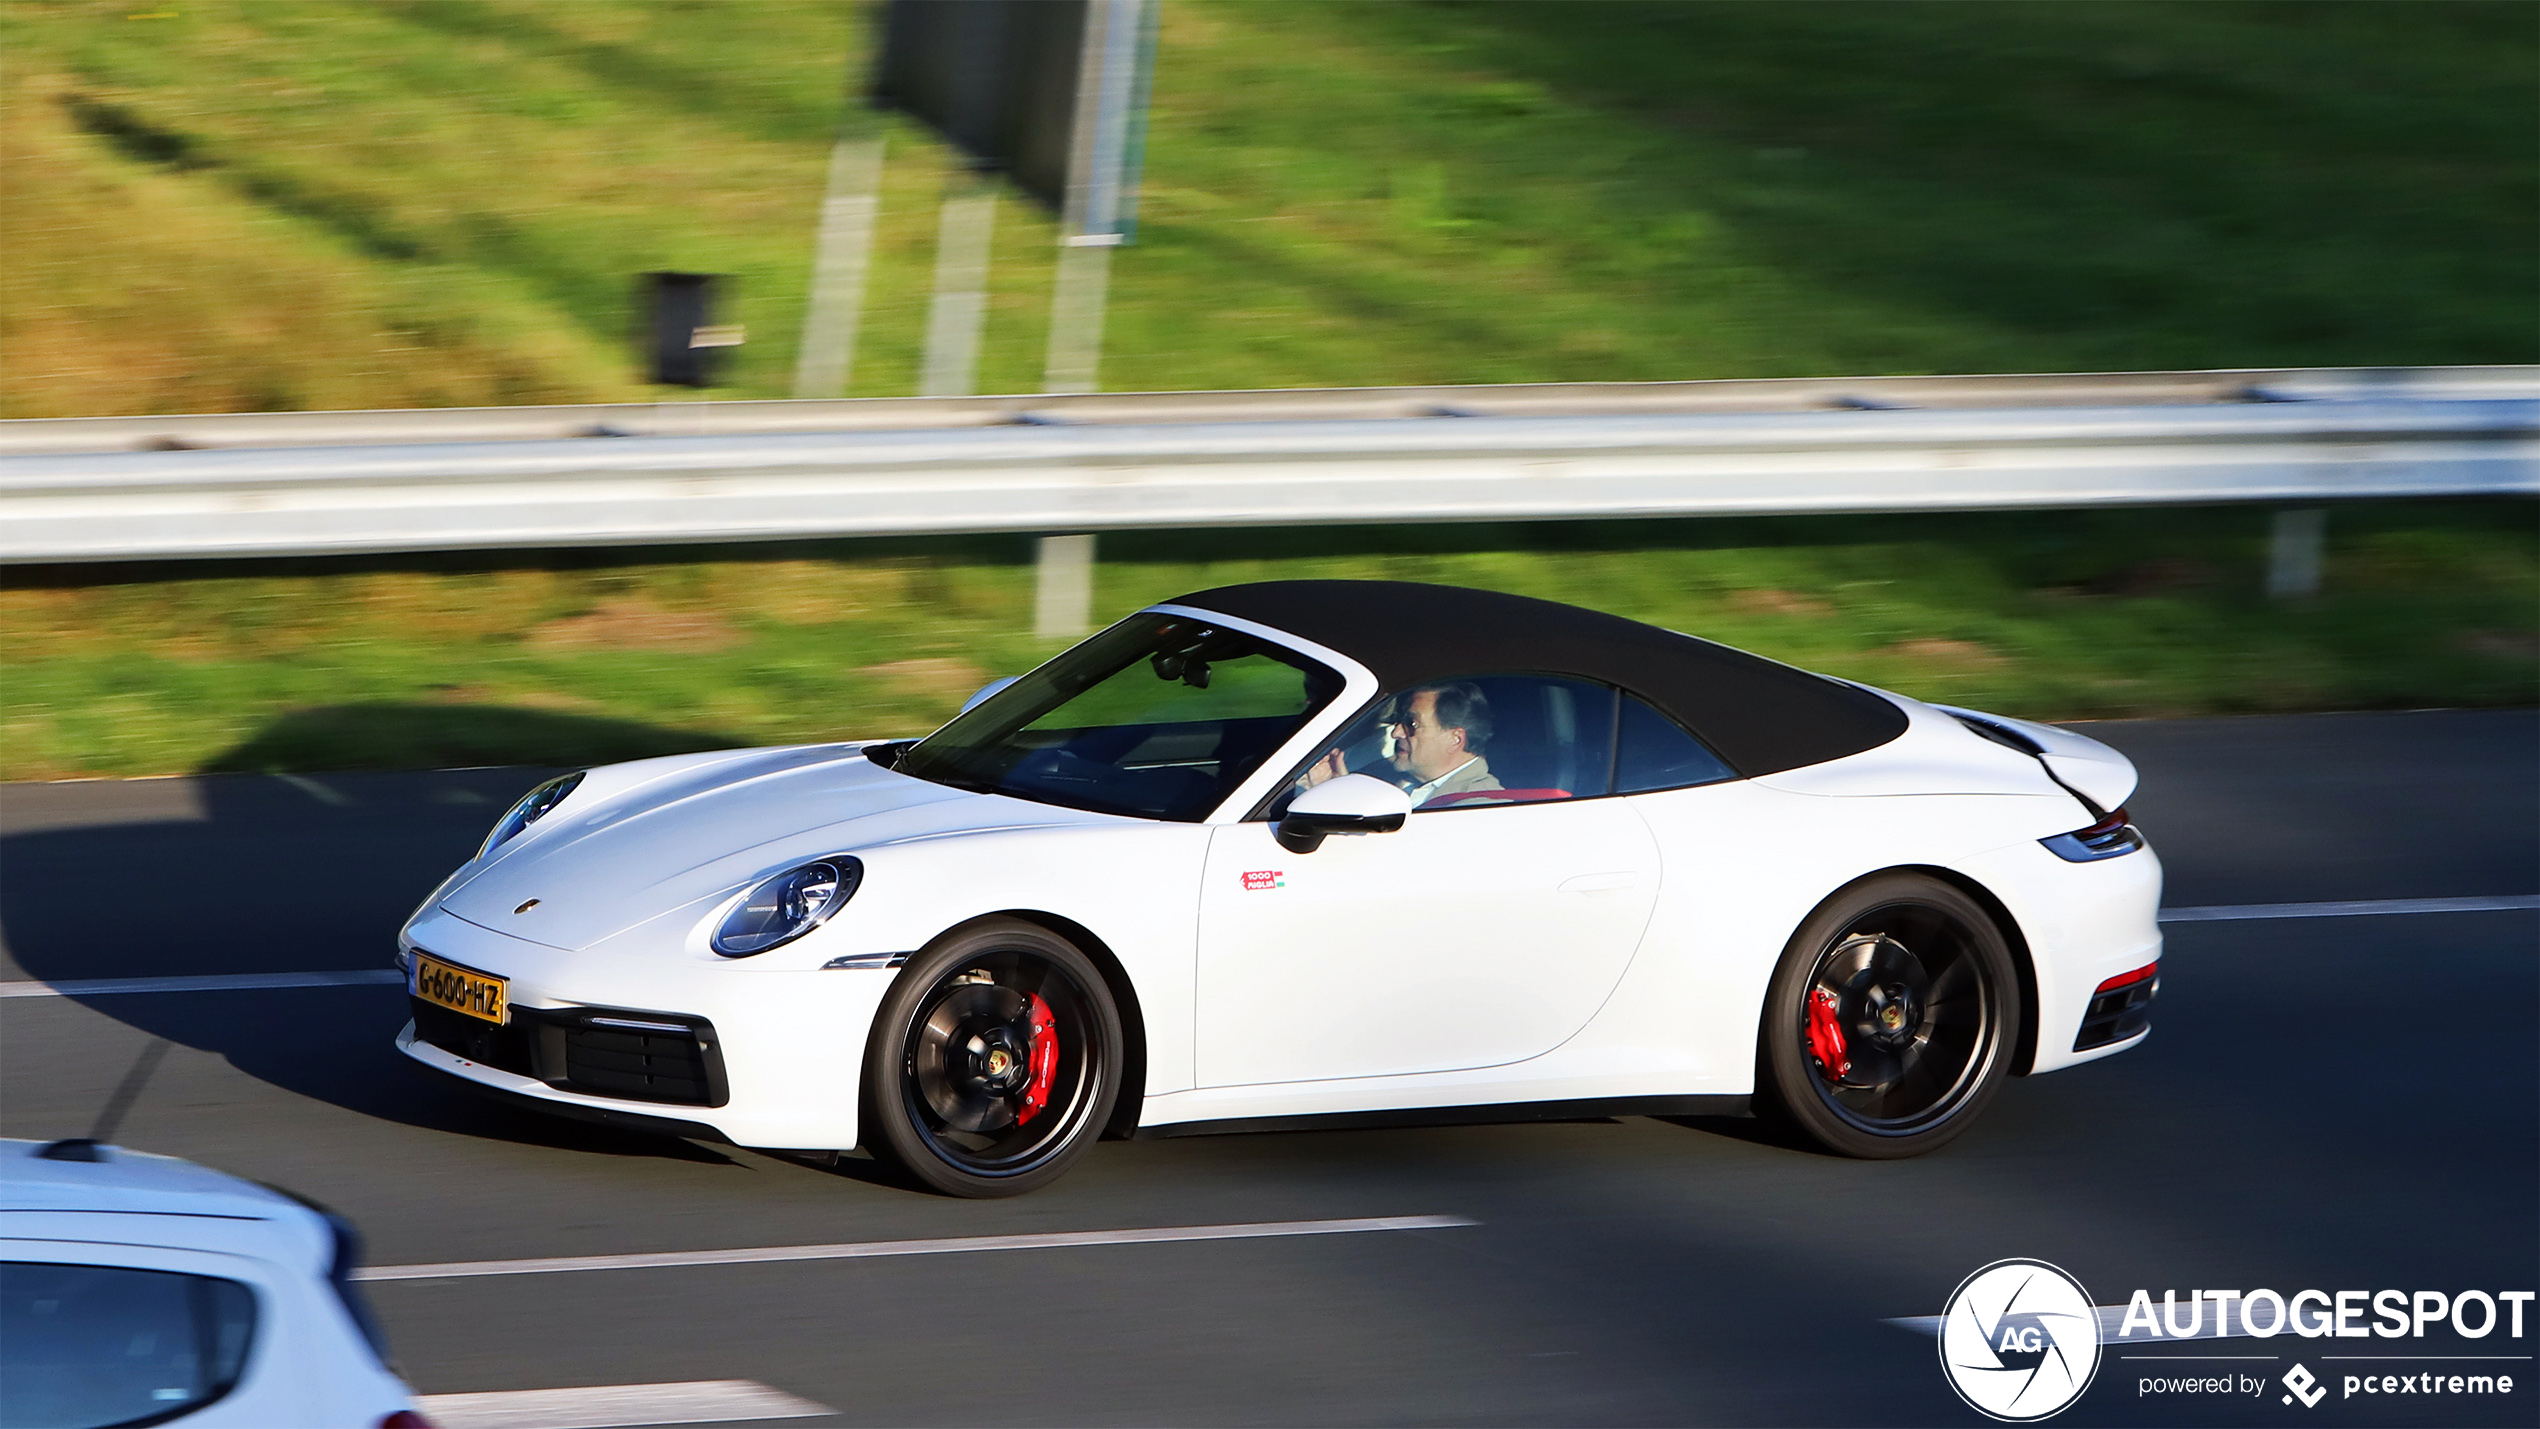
(234, 872)
(385, 736)
(1765, 1131)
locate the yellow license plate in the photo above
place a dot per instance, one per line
(459, 990)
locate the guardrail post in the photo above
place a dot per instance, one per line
(2295, 551)
(827, 356)
(961, 290)
(1063, 587)
(1076, 303)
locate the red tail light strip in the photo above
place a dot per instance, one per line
(2148, 970)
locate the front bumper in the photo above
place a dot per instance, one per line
(762, 1056)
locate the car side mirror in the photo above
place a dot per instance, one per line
(986, 690)
(1350, 804)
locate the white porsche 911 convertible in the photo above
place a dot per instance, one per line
(1308, 852)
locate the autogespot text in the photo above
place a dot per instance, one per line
(2317, 1314)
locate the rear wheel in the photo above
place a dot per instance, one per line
(994, 1062)
(1889, 1023)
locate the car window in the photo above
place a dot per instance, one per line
(1479, 740)
(83, 1346)
(1160, 716)
(1654, 752)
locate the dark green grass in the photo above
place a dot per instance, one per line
(2117, 184)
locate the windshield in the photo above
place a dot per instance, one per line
(1161, 716)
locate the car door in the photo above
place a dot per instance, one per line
(1485, 931)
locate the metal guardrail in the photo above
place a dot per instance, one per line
(67, 435)
(319, 483)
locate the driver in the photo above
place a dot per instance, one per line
(1435, 746)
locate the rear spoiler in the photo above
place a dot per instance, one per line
(2100, 777)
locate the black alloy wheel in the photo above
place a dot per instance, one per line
(1891, 1020)
(994, 1061)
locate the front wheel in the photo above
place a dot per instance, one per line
(994, 1062)
(1890, 1021)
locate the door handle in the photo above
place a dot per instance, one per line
(1600, 882)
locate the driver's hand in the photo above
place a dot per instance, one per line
(1330, 766)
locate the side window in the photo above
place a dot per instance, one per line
(91, 1345)
(1654, 752)
(1479, 740)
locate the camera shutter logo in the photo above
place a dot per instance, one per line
(2020, 1340)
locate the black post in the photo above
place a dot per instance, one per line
(685, 342)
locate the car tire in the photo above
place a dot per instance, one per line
(1890, 1021)
(994, 1061)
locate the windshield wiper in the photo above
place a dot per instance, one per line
(938, 771)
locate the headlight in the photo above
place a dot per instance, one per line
(787, 906)
(532, 807)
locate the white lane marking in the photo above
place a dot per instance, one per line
(228, 982)
(386, 977)
(315, 790)
(860, 1250)
(609, 1406)
(2361, 908)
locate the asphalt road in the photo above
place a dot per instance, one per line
(2339, 1104)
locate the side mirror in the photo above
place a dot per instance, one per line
(986, 690)
(1351, 804)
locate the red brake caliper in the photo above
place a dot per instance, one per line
(1825, 1035)
(1036, 1093)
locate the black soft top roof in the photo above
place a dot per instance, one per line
(1760, 716)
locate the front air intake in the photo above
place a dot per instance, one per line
(598, 1051)
(639, 1059)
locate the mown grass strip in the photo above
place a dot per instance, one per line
(561, 658)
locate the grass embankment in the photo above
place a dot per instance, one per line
(429, 202)
(589, 658)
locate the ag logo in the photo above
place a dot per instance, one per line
(2019, 1340)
